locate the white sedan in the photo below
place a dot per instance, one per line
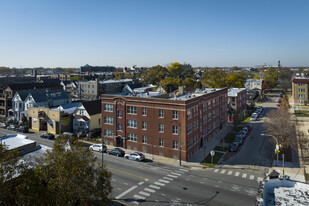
(98, 147)
(135, 156)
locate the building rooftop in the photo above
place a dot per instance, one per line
(232, 92)
(111, 81)
(13, 141)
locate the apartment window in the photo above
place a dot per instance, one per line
(119, 113)
(301, 84)
(189, 113)
(131, 110)
(144, 139)
(175, 129)
(189, 128)
(144, 111)
(132, 123)
(161, 113)
(209, 116)
(81, 111)
(161, 127)
(119, 127)
(108, 107)
(99, 121)
(302, 90)
(209, 105)
(108, 120)
(301, 96)
(161, 142)
(175, 114)
(144, 125)
(132, 137)
(175, 144)
(108, 132)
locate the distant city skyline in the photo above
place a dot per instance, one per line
(120, 33)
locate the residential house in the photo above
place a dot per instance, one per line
(252, 84)
(237, 101)
(87, 116)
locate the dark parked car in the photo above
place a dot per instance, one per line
(11, 127)
(22, 129)
(233, 147)
(116, 151)
(95, 133)
(48, 136)
(249, 127)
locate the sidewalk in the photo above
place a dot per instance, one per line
(194, 162)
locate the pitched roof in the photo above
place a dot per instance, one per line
(92, 107)
(44, 95)
(23, 94)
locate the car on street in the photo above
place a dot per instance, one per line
(2, 125)
(260, 107)
(278, 105)
(238, 139)
(22, 129)
(253, 117)
(48, 136)
(243, 134)
(116, 151)
(98, 147)
(11, 127)
(249, 127)
(233, 147)
(135, 156)
(258, 111)
(279, 100)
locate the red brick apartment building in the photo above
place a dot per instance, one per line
(151, 124)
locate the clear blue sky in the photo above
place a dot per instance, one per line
(72, 33)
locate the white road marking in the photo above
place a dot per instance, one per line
(174, 173)
(251, 177)
(178, 199)
(205, 178)
(188, 179)
(126, 183)
(259, 179)
(118, 189)
(244, 175)
(235, 188)
(167, 178)
(126, 192)
(144, 193)
(183, 170)
(230, 172)
(149, 190)
(219, 181)
(159, 183)
(217, 186)
(216, 170)
(139, 197)
(140, 183)
(237, 174)
(155, 187)
(163, 194)
(135, 202)
(114, 180)
(164, 181)
(173, 176)
(202, 182)
(222, 171)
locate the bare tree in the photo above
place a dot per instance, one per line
(279, 124)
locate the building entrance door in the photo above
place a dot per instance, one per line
(119, 142)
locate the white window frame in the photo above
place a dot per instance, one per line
(175, 144)
(144, 125)
(161, 142)
(108, 120)
(175, 114)
(161, 113)
(108, 107)
(132, 123)
(144, 111)
(175, 129)
(161, 128)
(144, 139)
(131, 110)
(132, 137)
(108, 132)
(119, 113)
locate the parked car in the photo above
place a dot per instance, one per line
(242, 133)
(2, 125)
(135, 156)
(249, 127)
(98, 147)
(11, 127)
(238, 139)
(260, 107)
(116, 151)
(95, 133)
(253, 117)
(22, 129)
(279, 100)
(48, 136)
(69, 134)
(278, 105)
(258, 111)
(246, 130)
(233, 147)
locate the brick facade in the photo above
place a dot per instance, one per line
(208, 115)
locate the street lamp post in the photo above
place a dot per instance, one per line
(276, 144)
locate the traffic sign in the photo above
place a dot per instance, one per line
(212, 153)
(277, 146)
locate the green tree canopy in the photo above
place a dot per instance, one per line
(214, 78)
(76, 78)
(154, 75)
(271, 76)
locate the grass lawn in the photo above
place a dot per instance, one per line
(247, 120)
(301, 111)
(216, 158)
(219, 148)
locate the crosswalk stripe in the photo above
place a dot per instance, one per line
(164, 181)
(244, 175)
(135, 202)
(237, 174)
(159, 183)
(251, 177)
(174, 173)
(149, 190)
(259, 179)
(216, 170)
(139, 197)
(173, 176)
(154, 187)
(223, 171)
(183, 170)
(230, 172)
(167, 178)
(144, 193)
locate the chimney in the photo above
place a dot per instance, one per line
(180, 90)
